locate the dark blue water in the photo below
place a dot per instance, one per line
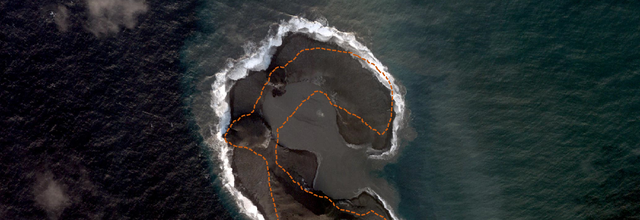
(94, 127)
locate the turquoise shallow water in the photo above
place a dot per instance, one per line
(523, 110)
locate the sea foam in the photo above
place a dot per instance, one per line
(259, 58)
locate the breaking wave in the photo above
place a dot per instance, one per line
(259, 58)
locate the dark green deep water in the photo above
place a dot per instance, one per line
(523, 110)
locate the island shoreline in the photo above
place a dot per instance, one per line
(226, 78)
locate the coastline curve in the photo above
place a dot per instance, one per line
(257, 59)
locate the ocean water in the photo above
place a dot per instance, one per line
(520, 110)
(523, 112)
(92, 126)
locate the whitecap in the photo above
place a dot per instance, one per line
(258, 59)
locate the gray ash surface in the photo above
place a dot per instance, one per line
(316, 155)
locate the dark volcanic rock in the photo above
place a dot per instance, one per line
(335, 74)
(251, 175)
(242, 96)
(350, 85)
(249, 131)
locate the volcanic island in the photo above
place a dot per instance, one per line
(323, 146)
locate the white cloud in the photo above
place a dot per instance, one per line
(107, 16)
(61, 18)
(50, 195)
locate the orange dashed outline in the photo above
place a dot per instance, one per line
(285, 122)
